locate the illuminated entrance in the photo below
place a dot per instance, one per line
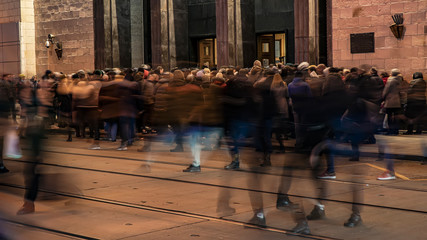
(272, 48)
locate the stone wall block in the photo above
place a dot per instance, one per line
(410, 7)
(397, 8)
(378, 63)
(379, 42)
(418, 41)
(365, 2)
(411, 30)
(391, 63)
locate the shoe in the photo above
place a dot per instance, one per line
(144, 149)
(267, 162)
(192, 168)
(302, 228)
(225, 211)
(408, 133)
(327, 175)
(122, 148)
(387, 175)
(317, 213)
(27, 208)
(283, 203)
(258, 221)
(95, 147)
(69, 139)
(354, 159)
(3, 169)
(178, 148)
(234, 165)
(353, 221)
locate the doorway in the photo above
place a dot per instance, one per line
(272, 48)
(207, 52)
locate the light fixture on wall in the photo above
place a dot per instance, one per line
(397, 27)
(51, 40)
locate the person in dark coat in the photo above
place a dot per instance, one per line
(239, 114)
(117, 101)
(184, 106)
(301, 97)
(416, 103)
(4, 115)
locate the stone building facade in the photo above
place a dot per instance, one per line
(409, 54)
(183, 33)
(71, 22)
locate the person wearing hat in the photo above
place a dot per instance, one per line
(416, 103)
(185, 105)
(312, 71)
(392, 101)
(255, 72)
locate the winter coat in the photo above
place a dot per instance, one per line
(239, 99)
(391, 92)
(212, 113)
(117, 99)
(185, 101)
(4, 98)
(161, 100)
(301, 96)
(416, 103)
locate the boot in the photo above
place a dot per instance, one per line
(27, 208)
(353, 221)
(258, 220)
(70, 138)
(178, 148)
(283, 203)
(234, 165)
(267, 161)
(316, 213)
(302, 228)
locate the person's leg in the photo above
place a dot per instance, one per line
(131, 131)
(114, 126)
(3, 169)
(179, 138)
(124, 132)
(31, 175)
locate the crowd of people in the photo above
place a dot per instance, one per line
(312, 104)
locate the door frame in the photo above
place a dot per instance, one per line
(286, 47)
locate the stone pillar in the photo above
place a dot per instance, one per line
(137, 32)
(27, 38)
(222, 33)
(247, 20)
(156, 36)
(306, 31)
(329, 31)
(115, 51)
(180, 13)
(229, 32)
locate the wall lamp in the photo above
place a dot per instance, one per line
(51, 41)
(397, 27)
